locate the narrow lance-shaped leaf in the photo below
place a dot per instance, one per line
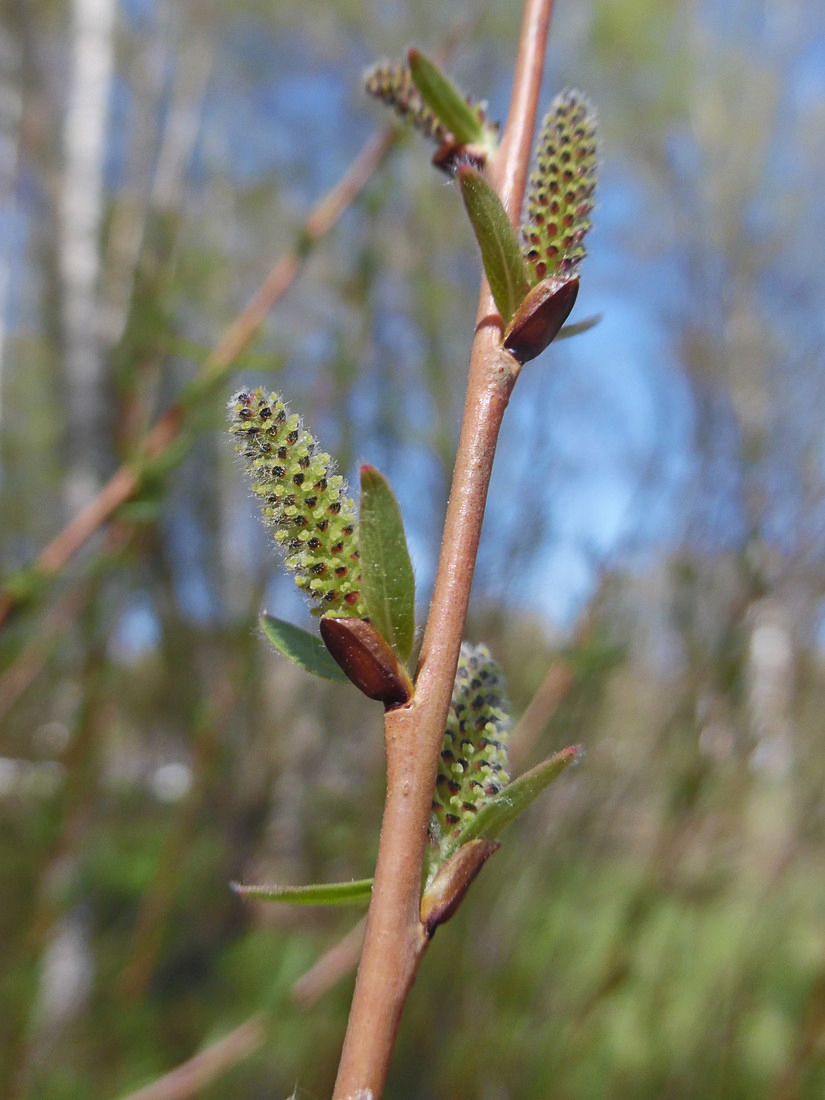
(302, 648)
(515, 798)
(500, 250)
(357, 892)
(445, 100)
(387, 580)
(445, 893)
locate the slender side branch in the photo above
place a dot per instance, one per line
(203, 1068)
(127, 479)
(395, 939)
(218, 1057)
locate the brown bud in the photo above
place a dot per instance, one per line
(368, 660)
(539, 317)
(446, 892)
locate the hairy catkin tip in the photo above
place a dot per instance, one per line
(301, 499)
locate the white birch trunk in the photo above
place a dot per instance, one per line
(79, 251)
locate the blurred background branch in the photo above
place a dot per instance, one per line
(128, 480)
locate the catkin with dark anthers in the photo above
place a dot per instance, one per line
(392, 83)
(473, 767)
(302, 499)
(561, 188)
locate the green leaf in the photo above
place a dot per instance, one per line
(500, 251)
(445, 100)
(515, 797)
(26, 584)
(302, 648)
(387, 580)
(357, 892)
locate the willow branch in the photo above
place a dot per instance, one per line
(395, 939)
(190, 1078)
(221, 1055)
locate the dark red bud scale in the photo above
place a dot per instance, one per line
(446, 892)
(368, 660)
(539, 318)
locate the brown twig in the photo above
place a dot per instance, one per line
(127, 479)
(193, 1075)
(548, 697)
(395, 938)
(341, 959)
(19, 676)
(201, 1070)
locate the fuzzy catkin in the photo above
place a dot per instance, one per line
(561, 188)
(302, 499)
(392, 83)
(473, 767)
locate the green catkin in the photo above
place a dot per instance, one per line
(392, 83)
(302, 500)
(473, 767)
(561, 188)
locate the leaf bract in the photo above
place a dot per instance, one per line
(387, 579)
(515, 798)
(357, 892)
(445, 100)
(302, 648)
(500, 249)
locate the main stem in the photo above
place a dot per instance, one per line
(395, 939)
